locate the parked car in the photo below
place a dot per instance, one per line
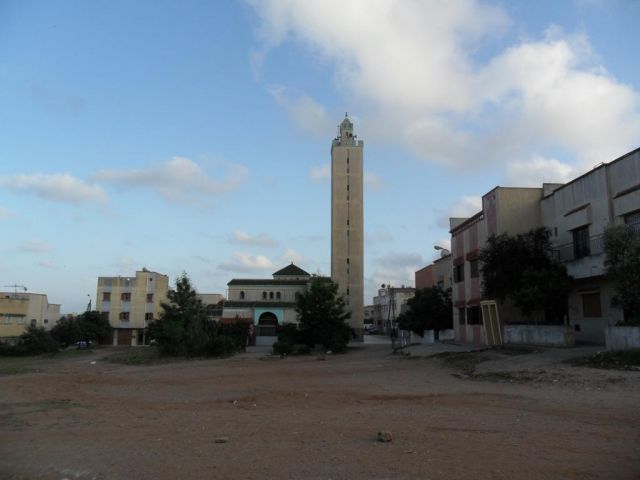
(83, 344)
(370, 328)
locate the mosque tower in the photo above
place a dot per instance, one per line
(347, 221)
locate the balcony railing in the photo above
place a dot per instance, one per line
(570, 252)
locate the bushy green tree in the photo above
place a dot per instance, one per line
(523, 269)
(88, 326)
(66, 331)
(37, 340)
(184, 328)
(622, 260)
(322, 315)
(429, 309)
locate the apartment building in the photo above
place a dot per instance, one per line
(388, 305)
(577, 214)
(436, 273)
(19, 310)
(504, 210)
(131, 303)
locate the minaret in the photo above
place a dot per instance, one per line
(347, 221)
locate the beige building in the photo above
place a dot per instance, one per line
(265, 303)
(437, 273)
(131, 303)
(347, 227)
(20, 310)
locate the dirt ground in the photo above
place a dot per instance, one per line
(487, 416)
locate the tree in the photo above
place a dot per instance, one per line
(183, 327)
(622, 261)
(322, 315)
(429, 309)
(66, 331)
(88, 326)
(522, 269)
(94, 327)
(37, 340)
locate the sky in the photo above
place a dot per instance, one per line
(195, 136)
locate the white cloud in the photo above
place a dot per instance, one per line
(246, 262)
(258, 240)
(305, 113)
(5, 213)
(47, 264)
(420, 70)
(320, 173)
(537, 171)
(35, 246)
(126, 265)
(290, 255)
(59, 187)
(373, 182)
(178, 179)
(464, 207)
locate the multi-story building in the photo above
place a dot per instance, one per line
(504, 210)
(347, 221)
(19, 310)
(437, 273)
(388, 305)
(369, 314)
(577, 214)
(131, 303)
(265, 303)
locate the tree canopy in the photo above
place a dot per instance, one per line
(622, 260)
(88, 326)
(523, 269)
(429, 309)
(322, 314)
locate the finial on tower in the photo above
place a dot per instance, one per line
(346, 115)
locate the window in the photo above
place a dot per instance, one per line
(105, 315)
(347, 260)
(632, 220)
(347, 291)
(591, 304)
(461, 316)
(34, 322)
(6, 320)
(347, 187)
(270, 295)
(20, 320)
(149, 297)
(473, 316)
(46, 321)
(264, 295)
(106, 296)
(581, 242)
(241, 295)
(347, 222)
(278, 296)
(458, 273)
(475, 270)
(125, 297)
(148, 317)
(124, 316)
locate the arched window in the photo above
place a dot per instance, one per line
(270, 295)
(264, 295)
(241, 295)
(278, 296)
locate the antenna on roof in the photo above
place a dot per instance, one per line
(16, 286)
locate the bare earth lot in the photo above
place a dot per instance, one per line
(514, 417)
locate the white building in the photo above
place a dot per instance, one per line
(577, 214)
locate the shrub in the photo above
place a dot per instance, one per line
(282, 348)
(222, 346)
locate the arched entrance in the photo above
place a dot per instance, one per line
(267, 323)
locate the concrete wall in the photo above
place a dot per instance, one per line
(543, 335)
(254, 293)
(622, 338)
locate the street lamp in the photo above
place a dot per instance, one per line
(443, 251)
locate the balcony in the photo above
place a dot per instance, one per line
(570, 252)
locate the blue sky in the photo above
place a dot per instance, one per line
(195, 136)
